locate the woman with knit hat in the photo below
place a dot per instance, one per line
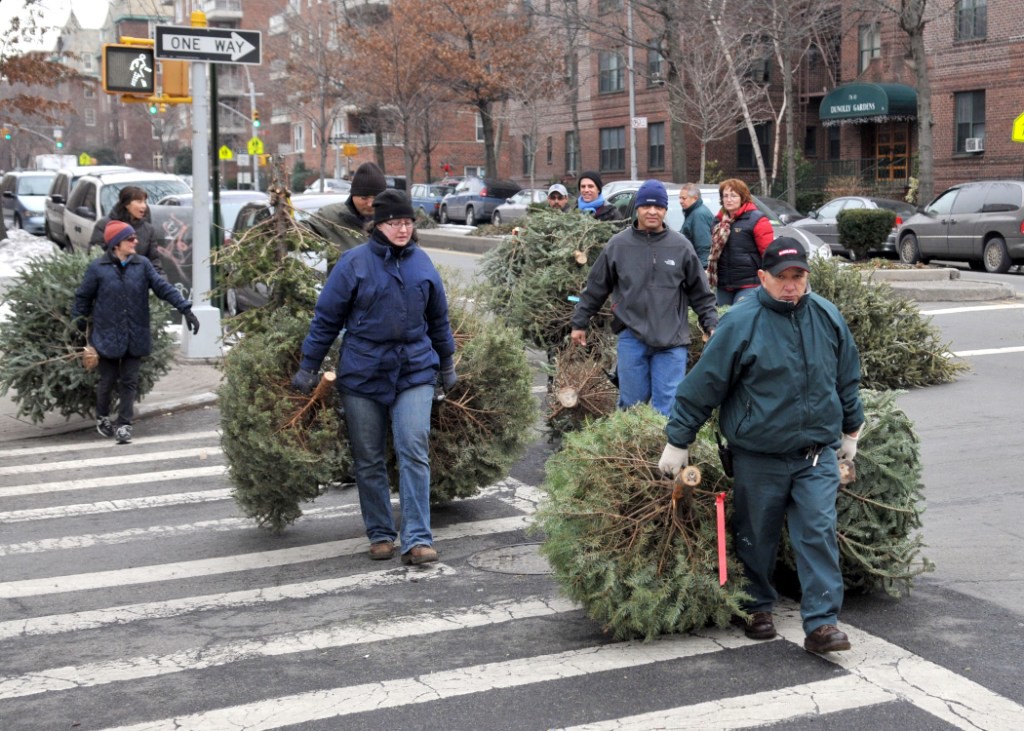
(132, 208)
(115, 294)
(389, 299)
(591, 201)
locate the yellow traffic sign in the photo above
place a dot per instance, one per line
(1018, 129)
(225, 153)
(84, 158)
(255, 146)
(349, 150)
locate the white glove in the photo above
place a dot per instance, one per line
(672, 460)
(848, 449)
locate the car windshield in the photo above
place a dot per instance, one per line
(155, 189)
(34, 184)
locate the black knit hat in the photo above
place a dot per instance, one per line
(595, 176)
(392, 204)
(368, 180)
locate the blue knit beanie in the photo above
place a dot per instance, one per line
(652, 193)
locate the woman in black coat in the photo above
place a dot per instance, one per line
(115, 292)
(132, 208)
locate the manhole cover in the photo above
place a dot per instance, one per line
(522, 558)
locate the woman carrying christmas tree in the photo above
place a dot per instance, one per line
(390, 301)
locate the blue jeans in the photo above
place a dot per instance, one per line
(769, 490)
(733, 297)
(368, 422)
(646, 374)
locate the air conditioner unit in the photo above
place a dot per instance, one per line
(974, 144)
(657, 79)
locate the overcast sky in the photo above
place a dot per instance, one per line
(90, 12)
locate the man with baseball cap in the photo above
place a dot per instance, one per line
(785, 371)
(653, 277)
(558, 197)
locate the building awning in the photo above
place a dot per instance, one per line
(864, 102)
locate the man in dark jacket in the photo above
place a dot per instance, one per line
(653, 277)
(115, 292)
(345, 224)
(592, 201)
(784, 368)
(131, 208)
(698, 222)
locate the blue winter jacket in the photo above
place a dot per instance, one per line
(117, 297)
(391, 303)
(787, 377)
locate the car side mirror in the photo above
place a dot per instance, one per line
(57, 198)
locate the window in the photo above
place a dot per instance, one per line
(550, 150)
(89, 92)
(607, 6)
(473, 171)
(656, 146)
(870, 45)
(613, 149)
(970, 118)
(655, 66)
(479, 128)
(833, 143)
(298, 138)
(90, 117)
(611, 72)
(971, 19)
(158, 161)
(745, 148)
(88, 62)
(572, 69)
(571, 163)
(529, 152)
(810, 141)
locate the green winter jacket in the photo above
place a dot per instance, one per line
(787, 377)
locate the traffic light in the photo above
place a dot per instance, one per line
(59, 144)
(7, 134)
(255, 118)
(128, 69)
(153, 108)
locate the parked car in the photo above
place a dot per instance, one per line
(518, 205)
(782, 210)
(981, 223)
(823, 221)
(623, 200)
(426, 198)
(60, 189)
(330, 185)
(24, 195)
(474, 200)
(94, 195)
(231, 202)
(395, 181)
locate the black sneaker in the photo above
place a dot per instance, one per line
(124, 434)
(104, 427)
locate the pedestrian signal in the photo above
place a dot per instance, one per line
(128, 69)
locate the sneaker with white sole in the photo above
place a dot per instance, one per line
(104, 427)
(124, 434)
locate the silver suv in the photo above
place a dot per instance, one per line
(980, 223)
(60, 189)
(23, 195)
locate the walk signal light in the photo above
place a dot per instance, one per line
(255, 118)
(128, 69)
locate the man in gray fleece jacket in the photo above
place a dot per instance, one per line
(653, 276)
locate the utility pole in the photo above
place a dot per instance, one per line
(632, 91)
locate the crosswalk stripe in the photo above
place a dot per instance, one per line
(115, 506)
(332, 703)
(94, 446)
(53, 624)
(228, 564)
(127, 457)
(819, 698)
(129, 480)
(336, 636)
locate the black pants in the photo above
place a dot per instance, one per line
(125, 373)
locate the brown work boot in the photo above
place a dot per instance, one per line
(382, 550)
(418, 555)
(760, 626)
(827, 638)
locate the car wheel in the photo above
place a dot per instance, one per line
(995, 256)
(444, 214)
(909, 251)
(470, 220)
(496, 219)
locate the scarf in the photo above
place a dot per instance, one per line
(592, 206)
(719, 237)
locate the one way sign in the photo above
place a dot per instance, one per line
(216, 45)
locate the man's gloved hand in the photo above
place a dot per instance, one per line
(448, 377)
(672, 460)
(848, 449)
(192, 322)
(304, 381)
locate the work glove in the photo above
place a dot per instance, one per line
(304, 381)
(672, 460)
(192, 322)
(448, 377)
(848, 448)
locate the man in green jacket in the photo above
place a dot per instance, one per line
(784, 369)
(345, 224)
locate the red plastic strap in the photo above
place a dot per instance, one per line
(723, 570)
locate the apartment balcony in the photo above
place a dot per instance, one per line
(221, 10)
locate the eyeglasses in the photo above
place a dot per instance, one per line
(131, 238)
(556, 197)
(400, 224)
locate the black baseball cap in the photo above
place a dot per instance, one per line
(783, 253)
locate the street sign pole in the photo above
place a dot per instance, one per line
(205, 344)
